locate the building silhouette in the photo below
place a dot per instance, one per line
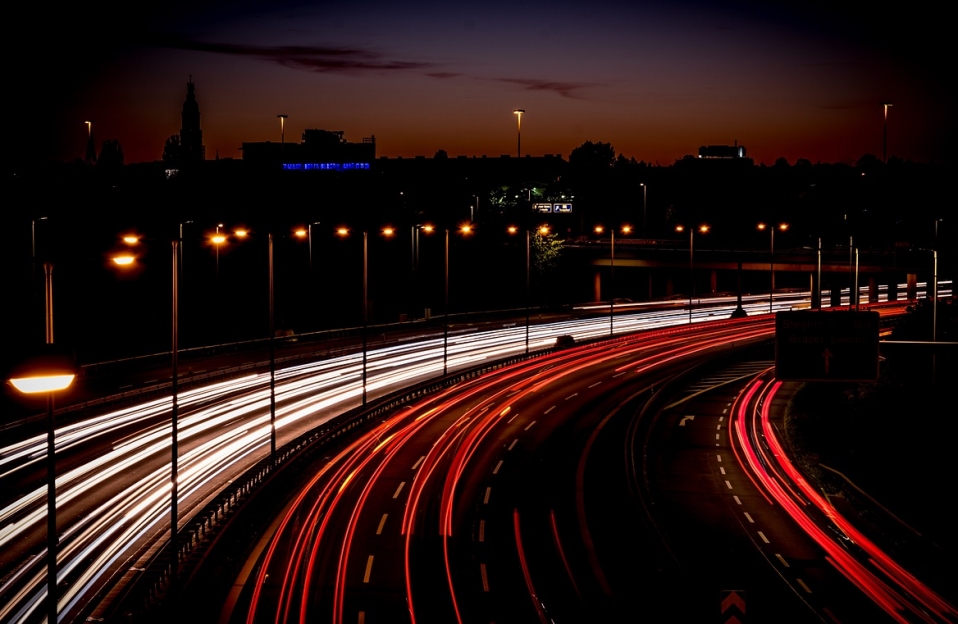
(191, 136)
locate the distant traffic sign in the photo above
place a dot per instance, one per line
(816, 345)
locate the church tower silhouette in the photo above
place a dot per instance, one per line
(191, 137)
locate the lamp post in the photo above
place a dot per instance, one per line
(771, 259)
(542, 230)
(518, 113)
(49, 374)
(703, 229)
(884, 148)
(344, 232)
(218, 239)
(625, 230)
(127, 260)
(645, 231)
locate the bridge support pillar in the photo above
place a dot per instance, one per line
(713, 281)
(872, 290)
(892, 289)
(912, 286)
(597, 287)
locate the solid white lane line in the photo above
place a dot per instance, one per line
(399, 489)
(382, 523)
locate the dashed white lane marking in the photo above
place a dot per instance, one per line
(382, 523)
(718, 427)
(718, 436)
(737, 501)
(725, 411)
(749, 518)
(804, 586)
(618, 374)
(399, 489)
(782, 559)
(721, 418)
(369, 569)
(549, 410)
(485, 499)
(595, 384)
(529, 426)
(573, 395)
(485, 579)
(482, 530)
(419, 461)
(498, 466)
(514, 442)
(719, 457)
(764, 539)
(513, 417)
(722, 469)
(728, 484)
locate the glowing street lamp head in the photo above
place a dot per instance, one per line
(300, 233)
(131, 239)
(762, 226)
(123, 260)
(388, 231)
(512, 229)
(783, 226)
(599, 229)
(626, 229)
(466, 228)
(679, 228)
(218, 239)
(241, 233)
(342, 231)
(50, 370)
(704, 228)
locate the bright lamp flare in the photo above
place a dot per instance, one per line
(42, 383)
(123, 260)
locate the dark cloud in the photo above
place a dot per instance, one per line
(565, 89)
(309, 58)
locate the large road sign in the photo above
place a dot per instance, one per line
(816, 345)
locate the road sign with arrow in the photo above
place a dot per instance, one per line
(817, 345)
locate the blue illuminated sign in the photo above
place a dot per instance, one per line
(358, 166)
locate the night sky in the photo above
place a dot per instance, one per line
(655, 79)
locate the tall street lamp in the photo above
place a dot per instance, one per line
(345, 232)
(49, 373)
(645, 231)
(884, 148)
(625, 230)
(702, 229)
(771, 258)
(127, 260)
(542, 230)
(518, 113)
